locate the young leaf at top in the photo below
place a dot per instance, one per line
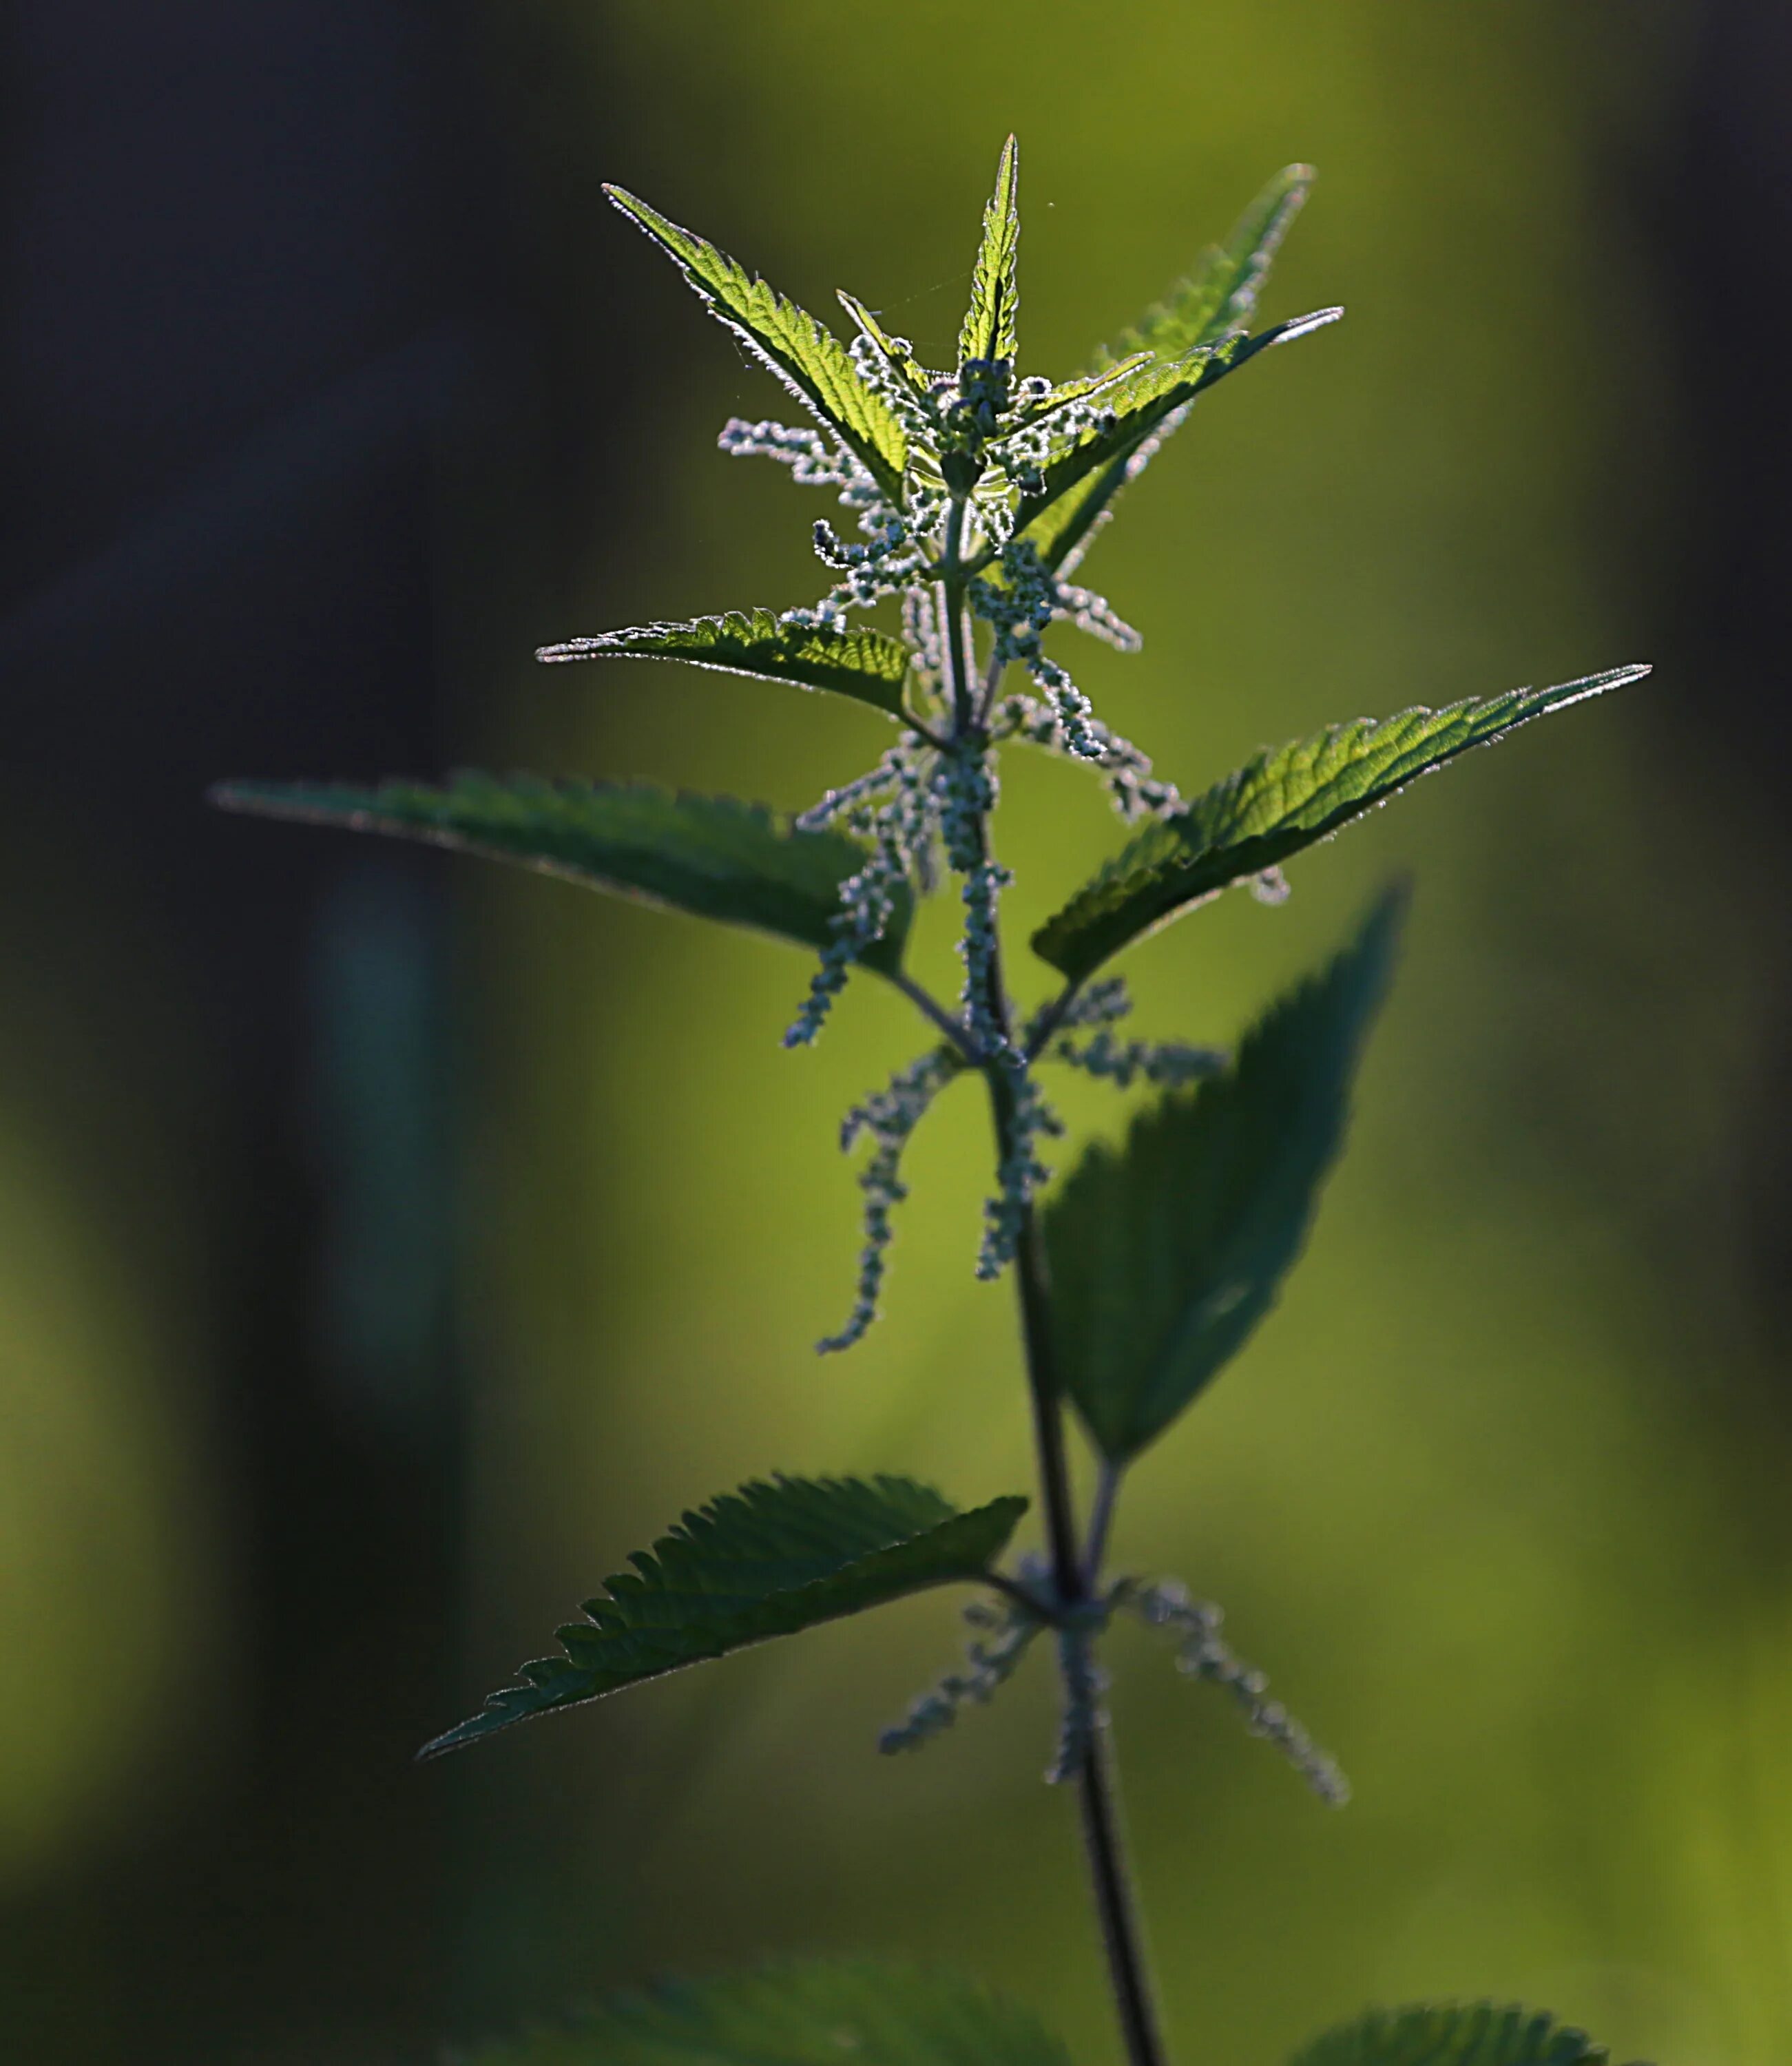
(1288, 798)
(1453, 2034)
(710, 855)
(870, 666)
(1148, 403)
(765, 1561)
(799, 2012)
(1164, 1254)
(992, 323)
(1219, 295)
(1216, 300)
(805, 355)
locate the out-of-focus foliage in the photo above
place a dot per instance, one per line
(1480, 2035)
(801, 2013)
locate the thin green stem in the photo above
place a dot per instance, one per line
(1109, 1880)
(1100, 1520)
(930, 1008)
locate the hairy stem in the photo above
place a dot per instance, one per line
(1110, 1879)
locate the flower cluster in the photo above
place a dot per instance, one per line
(889, 1117)
(994, 1654)
(1202, 1654)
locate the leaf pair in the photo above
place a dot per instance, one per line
(817, 2012)
(768, 1560)
(1164, 1254)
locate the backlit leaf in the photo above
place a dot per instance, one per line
(768, 1560)
(992, 323)
(1286, 799)
(1164, 1254)
(1148, 404)
(1219, 294)
(1216, 299)
(870, 666)
(711, 856)
(805, 355)
(801, 2012)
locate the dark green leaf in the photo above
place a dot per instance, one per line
(710, 855)
(1197, 313)
(1220, 294)
(1453, 2034)
(992, 323)
(806, 2012)
(868, 664)
(765, 1561)
(1164, 1254)
(805, 355)
(1288, 798)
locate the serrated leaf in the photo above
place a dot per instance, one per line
(1220, 293)
(896, 352)
(1453, 2034)
(710, 855)
(799, 2012)
(870, 666)
(804, 354)
(992, 323)
(1166, 1252)
(1215, 301)
(1148, 402)
(768, 1560)
(1288, 798)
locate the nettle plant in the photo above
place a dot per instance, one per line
(975, 491)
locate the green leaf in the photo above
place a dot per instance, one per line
(1164, 1254)
(805, 355)
(1197, 313)
(1453, 2034)
(765, 1561)
(797, 2012)
(1219, 295)
(992, 323)
(870, 666)
(710, 855)
(1286, 798)
(1143, 410)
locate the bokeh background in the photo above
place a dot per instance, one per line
(386, 1246)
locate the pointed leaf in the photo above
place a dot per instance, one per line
(765, 1561)
(1164, 1254)
(1453, 2034)
(710, 855)
(992, 323)
(807, 357)
(1220, 294)
(1149, 404)
(1288, 798)
(870, 666)
(1216, 300)
(797, 2012)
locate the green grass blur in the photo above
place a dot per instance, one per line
(1463, 1497)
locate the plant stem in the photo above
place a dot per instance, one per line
(1110, 1882)
(1100, 1520)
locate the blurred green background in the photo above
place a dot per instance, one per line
(389, 1246)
